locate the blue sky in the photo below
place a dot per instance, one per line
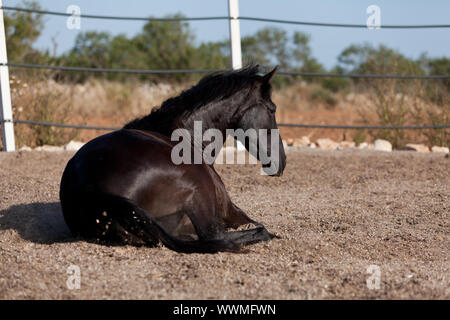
(326, 42)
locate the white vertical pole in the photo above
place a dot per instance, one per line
(235, 44)
(5, 94)
(235, 34)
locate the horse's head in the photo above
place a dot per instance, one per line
(258, 115)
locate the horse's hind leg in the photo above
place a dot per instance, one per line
(236, 217)
(122, 235)
(208, 227)
(206, 224)
(251, 236)
(112, 230)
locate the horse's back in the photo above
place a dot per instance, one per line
(132, 164)
(114, 158)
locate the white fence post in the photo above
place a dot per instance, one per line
(235, 34)
(235, 43)
(5, 94)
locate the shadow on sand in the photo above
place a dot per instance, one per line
(37, 222)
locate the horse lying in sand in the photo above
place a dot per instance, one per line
(124, 187)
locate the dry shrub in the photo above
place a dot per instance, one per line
(304, 96)
(396, 102)
(122, 99)
(325, 97)
(390, 104)
(34, 98)
(431, 106)
(293, 97)
(112, 103)
(40, 102)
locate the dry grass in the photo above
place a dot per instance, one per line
(96, 102)
(41, 102)
(128, 100)
(108, 103)
(406, 102)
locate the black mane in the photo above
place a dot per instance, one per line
(216, 86)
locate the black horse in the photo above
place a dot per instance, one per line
(124, 187)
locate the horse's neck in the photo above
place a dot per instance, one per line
(219, 116)
(216, 115)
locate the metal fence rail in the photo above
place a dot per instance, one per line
(60, 125)
(94, 16)
(181, 71)
(292, 125)
(304, 23)
(108, 70)
(234, 19)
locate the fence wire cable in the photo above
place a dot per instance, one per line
(295, 125)
(344, 25)
(108, 70)
(60, 125)
(93, 16)
(179, 71)
(306, 23)
(444, 126)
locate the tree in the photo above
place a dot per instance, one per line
(301, 54)
(366, 59)
(125, 53)
(92, 49)
(274, 46)
(167, 44)
(22, 30)
(267, 46)
(212, 55)
(160, 45)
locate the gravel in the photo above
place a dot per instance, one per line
(338, 212)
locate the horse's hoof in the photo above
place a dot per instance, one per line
(274, 236)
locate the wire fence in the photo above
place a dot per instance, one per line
(186, 71)
(291, 125)
(305, 23)
(109, 70)
(181, 71)
(60, 125)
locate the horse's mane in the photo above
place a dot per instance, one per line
(219, 85)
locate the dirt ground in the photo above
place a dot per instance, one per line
(338, 212)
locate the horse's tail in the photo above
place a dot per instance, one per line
(136, 220)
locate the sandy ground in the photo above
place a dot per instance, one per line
(338, 212)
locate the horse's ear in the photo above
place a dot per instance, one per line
(268, 76)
